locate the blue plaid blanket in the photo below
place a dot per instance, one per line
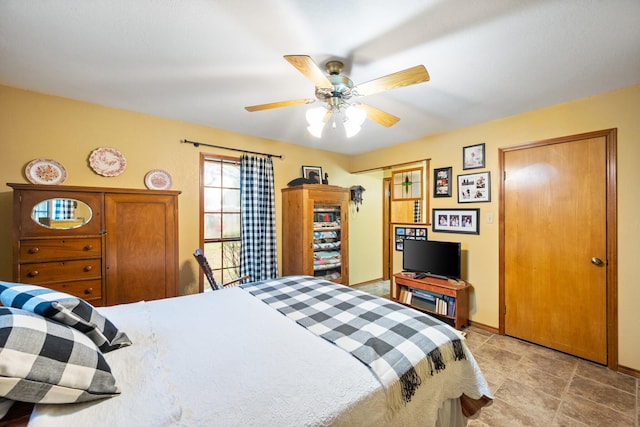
(400, 345)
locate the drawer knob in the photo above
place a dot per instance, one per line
(88, 268)
(34, 250)
(33, 273)
(88, 247)
(88, 291)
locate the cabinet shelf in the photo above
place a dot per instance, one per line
(326, 267)
(441, 298)
(417, 307)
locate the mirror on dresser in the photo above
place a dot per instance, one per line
(61, 214)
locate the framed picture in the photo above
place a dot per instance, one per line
(399, 237)
(442, 182)
(465, 221)
(473, 156)
(474, 187)
(312, 173)
(409, 233)
(421, 234)
(414, 233)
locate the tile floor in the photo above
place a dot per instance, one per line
(537, 386)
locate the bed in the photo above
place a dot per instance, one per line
(243, 357)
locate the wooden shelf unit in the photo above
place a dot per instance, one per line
(402, 284)
(315, 232)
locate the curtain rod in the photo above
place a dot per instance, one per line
(196, 144)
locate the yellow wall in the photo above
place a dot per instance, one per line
(34, 126)
(39, 126)
(618, 109)
(365, 230)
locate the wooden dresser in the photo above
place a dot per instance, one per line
(106, 245)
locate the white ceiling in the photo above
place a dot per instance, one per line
(203, 61)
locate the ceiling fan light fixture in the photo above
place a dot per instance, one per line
(315, 116)
(356, 115)
(354, 118)
(335, 90)
(351, 128)
(315, 129)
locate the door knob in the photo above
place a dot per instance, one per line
(596, 261)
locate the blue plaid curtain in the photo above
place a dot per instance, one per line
(64, 209)
(258, 256)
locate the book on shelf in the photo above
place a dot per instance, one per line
(435, 302)
(431, 301)
(451, 307)
(405, 296)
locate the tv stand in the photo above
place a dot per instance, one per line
(446, 299)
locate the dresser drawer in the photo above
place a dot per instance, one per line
(56, 271)
(88, 290)
(33, 250)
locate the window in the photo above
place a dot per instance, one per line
(220, 216)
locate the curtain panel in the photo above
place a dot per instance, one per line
(258, 254)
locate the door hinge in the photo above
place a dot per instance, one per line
(504, 309)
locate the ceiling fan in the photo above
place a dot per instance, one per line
(337, 91)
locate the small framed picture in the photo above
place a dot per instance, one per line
(465, 221)
(399, 237)
(473, 156)
(442, 182)
(474, 187)
(313, 173)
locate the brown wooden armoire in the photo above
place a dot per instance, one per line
(106, 245)
(315, 231)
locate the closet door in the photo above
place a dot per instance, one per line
(555, 245)
(141, 247)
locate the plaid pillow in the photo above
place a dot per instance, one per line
(66, 309)
(44, 361)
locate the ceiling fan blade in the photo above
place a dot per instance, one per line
(379, 116)
(310, 70)
(278, 104)
(410, 76)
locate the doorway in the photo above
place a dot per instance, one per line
(386, 230)
(558, 263)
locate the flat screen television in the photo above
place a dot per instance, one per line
(438, 259)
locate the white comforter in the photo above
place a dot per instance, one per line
(226, 359)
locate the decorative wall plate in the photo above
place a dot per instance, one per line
(107, 161)
(157, 179)
(45, 171)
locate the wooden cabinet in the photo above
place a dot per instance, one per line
(445, 299)
(315, 231)
(106, 245)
